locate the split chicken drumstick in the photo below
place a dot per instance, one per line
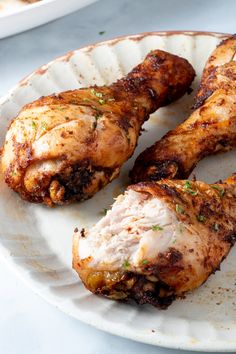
(159, 240)
(66, 147)
(211, 128)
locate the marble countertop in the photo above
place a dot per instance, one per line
(28, 324)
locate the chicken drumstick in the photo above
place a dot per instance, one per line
(66, 147)
(159, 240)
(211, 128)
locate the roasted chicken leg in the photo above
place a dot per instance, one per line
(159, 240)
(211, 128)
(66, 147)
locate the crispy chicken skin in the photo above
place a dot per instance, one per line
(211, 128)
(159, 240)
(66, 147)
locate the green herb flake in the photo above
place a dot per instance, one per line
(234, 47)
(101, 33)
(97, 116)
(201, 218)
(96, 93)
(44, 126)
(126, 264)
(219, 189)
(188, 188)
(145, 261)
(193, 193)
(156, 228)
(179, 209)
(101, 101)
(216, 226)
(188, 185)
(13, 173)
(34, 125)
(104, 211)
(86, 100)
(153, 53)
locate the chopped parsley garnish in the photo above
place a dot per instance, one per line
(234, 47)
(96, 93)
(192, 192)
(60, 108)
(97, 116)
(104, 211)
(101, 32)
(153, 53)
(13, 173)
(219, 189)
(156, 228)
(216, 226)
(126, 264)
(34, 125)
(187, 185)
(145, 261)
(44, 126)
(201, 218)
(179, 209)
(101, 101)
(86, 100)
(188, 188)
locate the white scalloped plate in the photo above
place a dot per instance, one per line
(36, 241)
(17, 16)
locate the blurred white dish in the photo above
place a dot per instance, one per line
(17, 16)
(36, 241)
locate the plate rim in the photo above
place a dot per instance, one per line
(111, 41)
(25, 8)
(155, 339)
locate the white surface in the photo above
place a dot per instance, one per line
(28, 324)
(16, 16)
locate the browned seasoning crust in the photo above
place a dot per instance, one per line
(211, 128)
(66, 147)
(209, 210)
